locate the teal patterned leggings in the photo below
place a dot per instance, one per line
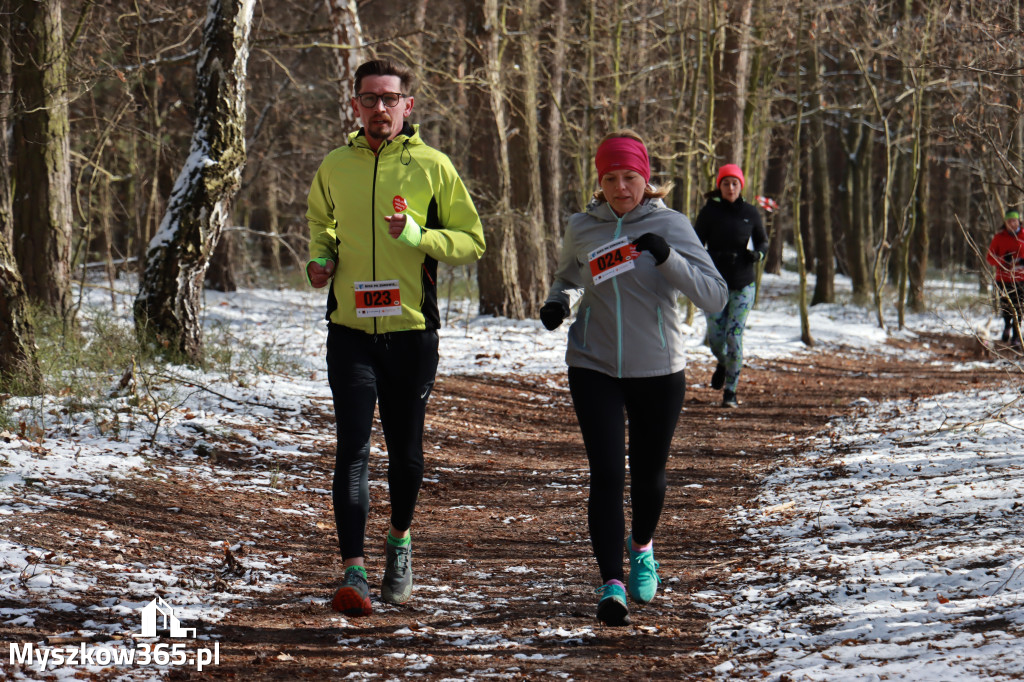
(725, 333)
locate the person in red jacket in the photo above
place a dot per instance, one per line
(1006, 253)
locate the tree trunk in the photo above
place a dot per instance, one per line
(552, 160)
(731, 84)
(774, 187)
(346, 31)
(274, 222)
(41, 207)
(6, 219)
(825, 267)
(856, 200)
(805, 323)
(220, 275)
(168, 305)
(525, 188)
(879, 268)
(18, 366)
(497, 272)
(17, 340)
(918, 241)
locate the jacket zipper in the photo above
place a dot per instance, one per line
(373, 223)
(618, 305)
(661, 328)
(586, 325)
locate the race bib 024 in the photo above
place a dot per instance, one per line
(612, 259)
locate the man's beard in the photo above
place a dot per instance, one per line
(379, 130)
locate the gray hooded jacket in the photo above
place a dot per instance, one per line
(629, 326)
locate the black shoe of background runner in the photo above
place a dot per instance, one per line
(718, 378)
(729, 399)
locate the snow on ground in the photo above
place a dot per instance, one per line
(892, 549)
(892, 546)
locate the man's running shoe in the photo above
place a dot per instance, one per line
(353, 597)
(611, 609)
(396, 588)
(643, 574)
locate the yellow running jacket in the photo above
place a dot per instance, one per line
(354, 189)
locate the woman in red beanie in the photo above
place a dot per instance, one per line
(736, 239)
(625, 260)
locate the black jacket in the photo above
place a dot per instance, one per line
(725, 229)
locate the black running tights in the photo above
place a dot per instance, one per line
(652, 406)
(397, 371)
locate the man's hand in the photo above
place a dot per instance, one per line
(396, 223)
(319, 275)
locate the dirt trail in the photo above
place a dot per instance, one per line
(505, 576)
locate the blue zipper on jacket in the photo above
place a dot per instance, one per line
(618, 304)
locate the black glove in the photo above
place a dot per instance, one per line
(552, 314)
(753, 256)
(1008, 259)
(654, 243)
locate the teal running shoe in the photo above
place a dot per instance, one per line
(611, 609)
(643, 574)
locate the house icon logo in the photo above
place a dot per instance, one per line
(170, 622)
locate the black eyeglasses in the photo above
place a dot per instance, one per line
(370, 99)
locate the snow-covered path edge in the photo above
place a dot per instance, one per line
(892, 549)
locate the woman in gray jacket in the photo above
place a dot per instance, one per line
(626, 260)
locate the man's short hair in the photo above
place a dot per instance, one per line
(383, 67)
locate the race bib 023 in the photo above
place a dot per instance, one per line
(612, 259)
(378, 299)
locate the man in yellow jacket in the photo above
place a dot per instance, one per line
(382, 211)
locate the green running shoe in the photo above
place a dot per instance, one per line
(396, 588)
(353, 597)
(643, 574)
(611, 609)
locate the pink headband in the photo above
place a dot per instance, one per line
(618, 153)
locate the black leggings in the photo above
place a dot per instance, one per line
(397, 370)
(1011, 307)
(652, 406)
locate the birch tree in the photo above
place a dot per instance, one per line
(167, 307)
(347, 34)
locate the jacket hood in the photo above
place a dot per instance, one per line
(409, 134)
(603, 210)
